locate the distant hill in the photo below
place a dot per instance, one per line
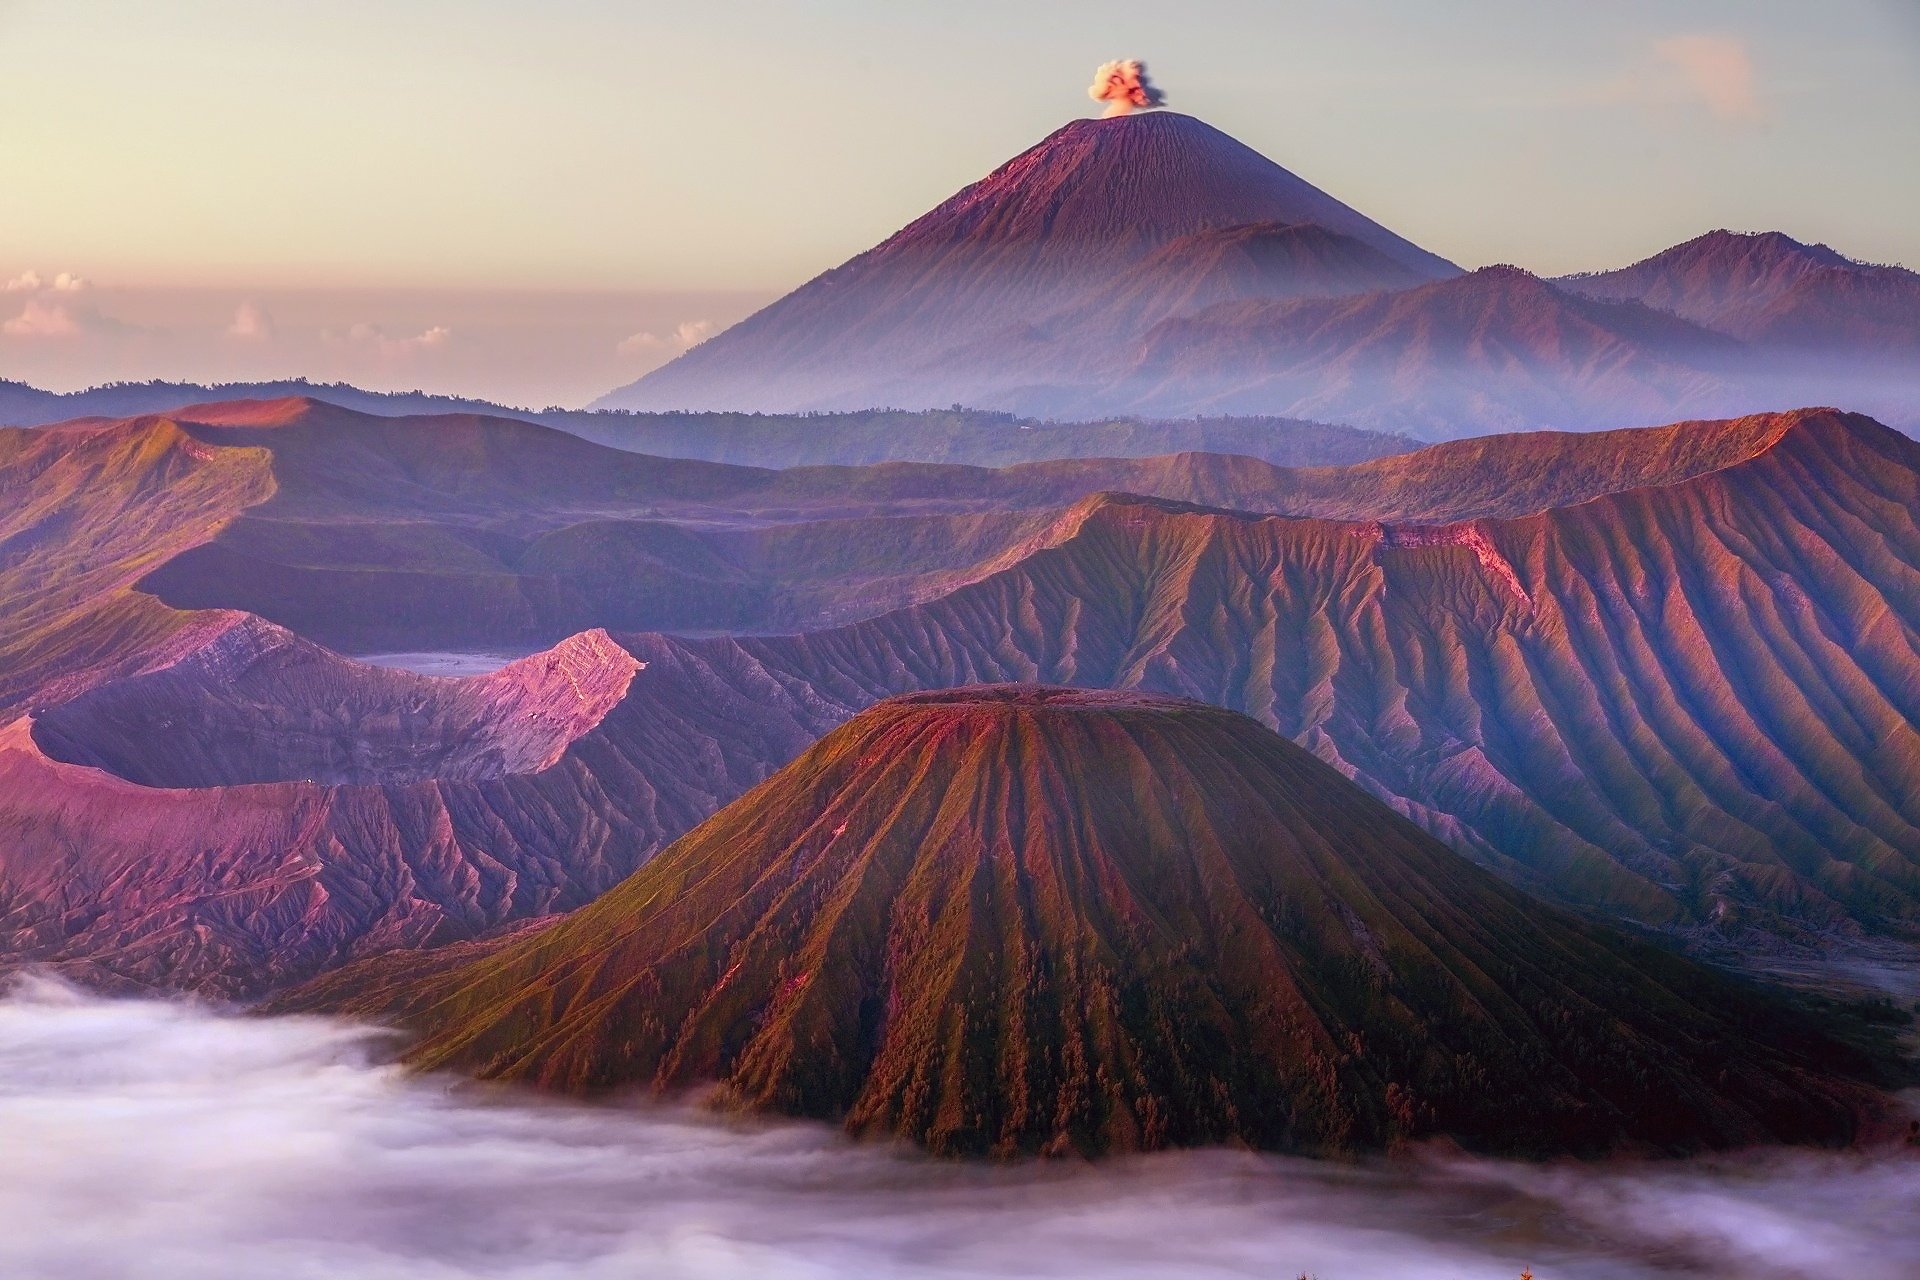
(1012, 919)
(1777, 293)
(1499, 349)
(972, 437)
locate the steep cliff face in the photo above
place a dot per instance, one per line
(1013, 918)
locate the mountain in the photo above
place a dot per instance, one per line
(196, 797)
(919, 319)
(1777, 293)
(457, 531)
(1016, 919)
(1262, 261)
(1499, 349)
(1687, 703)
(1657, 674)
(961, 436)
(1150, 264)
(460, 532)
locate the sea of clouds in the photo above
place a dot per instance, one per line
(169, 1141)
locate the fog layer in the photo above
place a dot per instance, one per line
(168, 1141)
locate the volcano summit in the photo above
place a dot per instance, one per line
(1015, 918)
(920, 319)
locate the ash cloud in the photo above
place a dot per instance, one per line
(169, 1141)
(1125, 87)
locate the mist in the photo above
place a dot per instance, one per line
(168, 1140)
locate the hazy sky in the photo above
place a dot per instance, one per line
(393, 168)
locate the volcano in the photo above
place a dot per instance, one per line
(1014, 918)
(914, 321)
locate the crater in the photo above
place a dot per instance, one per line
(259, 704)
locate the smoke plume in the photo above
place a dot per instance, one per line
(1125, 87)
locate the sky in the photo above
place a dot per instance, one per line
(534, 202)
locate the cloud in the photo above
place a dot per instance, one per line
(685, 336)
(165, 1140)
(251, 323)
(32, 282)
(1716, 71)
(41, 319)
(366, 334)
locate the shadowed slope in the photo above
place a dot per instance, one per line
(454, 532)
(1010, 919)
(258, 809)
(84, 512)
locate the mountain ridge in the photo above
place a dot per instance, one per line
(1562, 694)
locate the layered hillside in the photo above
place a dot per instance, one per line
(259, 810)
(1015, 919)
(967, 437)
(84, 513)
(1498, 350)
(1661, 674)
(919, 319)
(461, 532)
(1693, 704)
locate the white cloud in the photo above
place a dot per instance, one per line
(1716, 71)
(366, 334)
(41, 319)
(31, 281)
(251, 323)
(163, 1140)
(638, 343)
(685, 335)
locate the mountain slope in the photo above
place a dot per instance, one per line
(1495, 350)
(1692, 704)
(460, 531)
(1775, 292)
(1010, 919)
(1263, 261)
(1661, 674)
(1047, 229)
